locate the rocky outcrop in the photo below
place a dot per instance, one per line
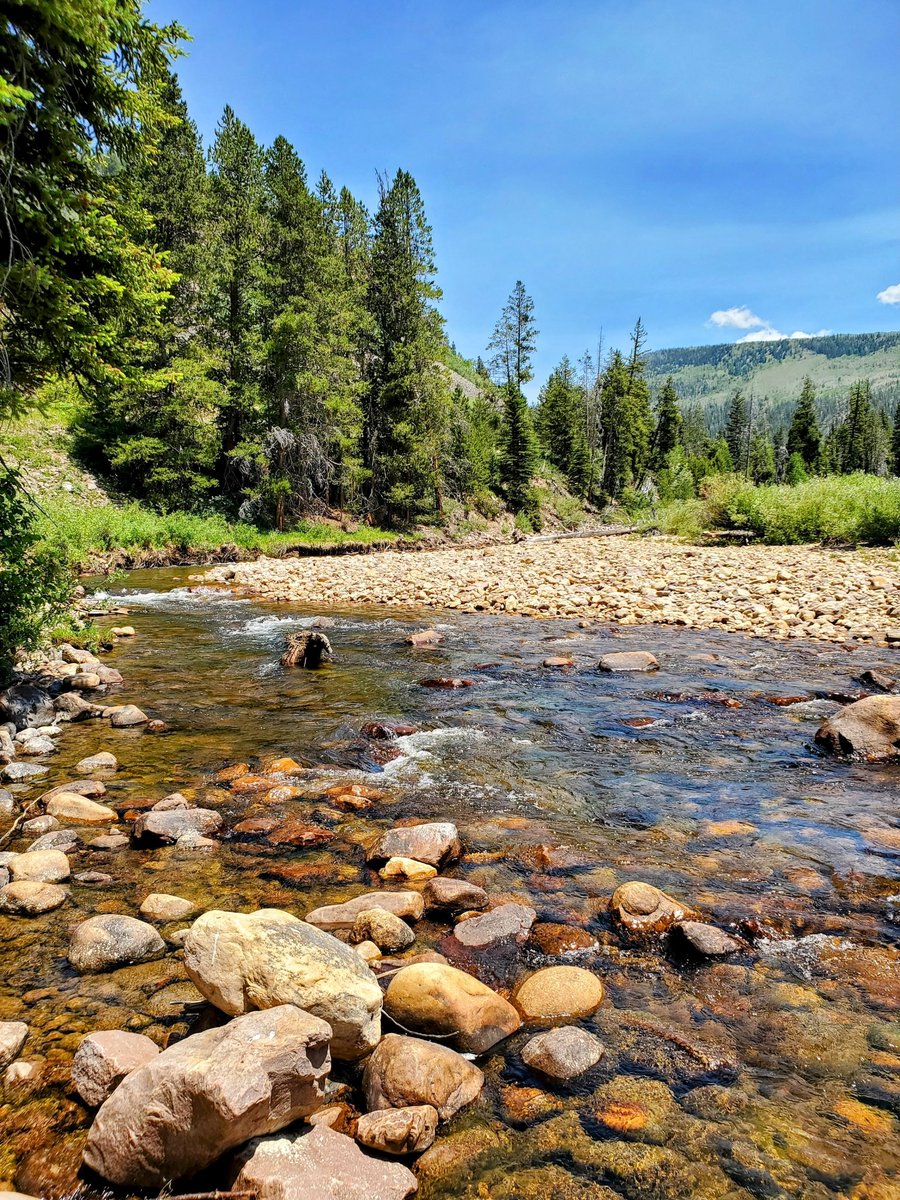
(868, 729)
(437, 999)
(318, 1164)
(267, 958)
(211, 1092)
(406, 1071)
(110, 940)
(103, 1059)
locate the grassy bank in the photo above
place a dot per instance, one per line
(845, 509)
(84, 534)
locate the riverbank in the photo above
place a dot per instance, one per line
(777, 592)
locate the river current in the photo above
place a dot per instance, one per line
(773, 1073)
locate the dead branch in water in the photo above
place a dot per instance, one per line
(306, 650)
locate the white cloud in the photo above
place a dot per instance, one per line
(890, 295)
(766, 334)
(798, 333)
(735, 318)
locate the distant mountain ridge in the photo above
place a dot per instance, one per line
(709, 375)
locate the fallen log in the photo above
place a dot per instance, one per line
(306, 650)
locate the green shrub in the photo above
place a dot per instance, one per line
(832, 508)
(35, 586)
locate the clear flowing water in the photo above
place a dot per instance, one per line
(768, 1074)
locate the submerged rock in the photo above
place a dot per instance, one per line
(628, 660)
(318, 1164)
(408, 905)
(79, 810)
(110, 940)
(563, 1054)
(508, 924)
(103, 1059)
(160, 907)
(453, 895)
(102, 761)
(559, 994)
(405, 1071)
(709, 940)
(646, 911)
(437, 999)
(182, 1110)
(241, 962)
(127, 715)
(869, 729)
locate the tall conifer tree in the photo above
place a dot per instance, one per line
(804, 437)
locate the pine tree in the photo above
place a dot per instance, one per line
(761, 460)
(804, 437)
(667, 434)
(640, 417)
(737, 432)
(237, 288)
(616, 427)
(512, 343)
(155, 431)
(559, 423)
(859, 442)
(408, 400)
(895, 443)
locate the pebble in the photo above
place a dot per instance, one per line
(776, 591)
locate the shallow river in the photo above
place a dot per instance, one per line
(771, 1074)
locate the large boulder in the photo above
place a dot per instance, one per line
(559, 994)
(26, 704)
(438, 1000)
(103, 1059)
(241, 962)
(869, 729)
(408, 905)
(111, 940)
(407, 1071)
(398, 1130)
(213, 1091)
(433, 842)
(318, 1164)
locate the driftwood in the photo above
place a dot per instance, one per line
(307, 650)
(597, 531)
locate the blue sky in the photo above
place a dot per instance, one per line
(720, 168)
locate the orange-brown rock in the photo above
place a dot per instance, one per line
(559, 994)
(229, 774)
(251, 785)
(645, 911)
(282, 793)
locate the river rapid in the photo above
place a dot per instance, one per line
(766, 1074)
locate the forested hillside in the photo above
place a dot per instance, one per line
(709, 375)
